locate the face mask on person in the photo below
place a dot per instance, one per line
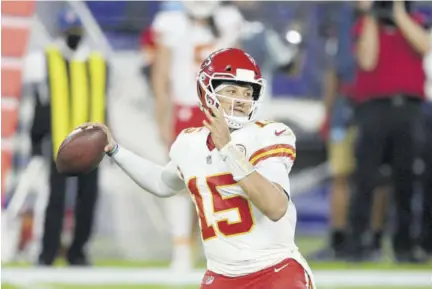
(73, 39)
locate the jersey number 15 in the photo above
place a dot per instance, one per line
(222, 204)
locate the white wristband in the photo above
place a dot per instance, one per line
(239, 166)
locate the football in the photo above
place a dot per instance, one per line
(81, 151)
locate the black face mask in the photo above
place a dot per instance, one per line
(73, 40)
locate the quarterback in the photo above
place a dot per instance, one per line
(236, 169)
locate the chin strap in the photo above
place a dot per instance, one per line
(239, 122)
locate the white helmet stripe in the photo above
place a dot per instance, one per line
(245, 75)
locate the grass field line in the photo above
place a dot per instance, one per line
(136, 276)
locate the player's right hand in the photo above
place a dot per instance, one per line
(111, 142)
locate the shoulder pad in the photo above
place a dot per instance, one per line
(275, 140)
(192, 130)
(278, 130)
(275, 130)
(182, 140)
(263, 123)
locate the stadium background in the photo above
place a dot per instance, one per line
(131, 228)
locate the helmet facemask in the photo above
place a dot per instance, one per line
(212, 99)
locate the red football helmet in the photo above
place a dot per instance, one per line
(230, 65)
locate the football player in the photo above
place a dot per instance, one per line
(184, 38)
(236, 169)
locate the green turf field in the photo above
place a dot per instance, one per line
(383, 265)
(306, 245)
(314, 265)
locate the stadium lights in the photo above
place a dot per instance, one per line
(293, 36)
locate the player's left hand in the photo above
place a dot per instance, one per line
(217, 126)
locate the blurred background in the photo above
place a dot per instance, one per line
(324, 81)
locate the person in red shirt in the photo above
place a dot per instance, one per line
(388, 92)
(340, 135)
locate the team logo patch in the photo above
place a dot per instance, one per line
(241, 148)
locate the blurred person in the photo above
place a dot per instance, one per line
(70, 88)
(388, 92)
(183, 40)
(270, 48)
(237, 170)
(147, 40)
(272, 53)
(339, 132)
(426, 232)
(340, 136)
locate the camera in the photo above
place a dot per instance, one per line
(383, 11)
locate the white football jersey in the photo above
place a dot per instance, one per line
(191, 43)
(238, 239)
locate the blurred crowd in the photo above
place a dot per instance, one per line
(376, 84)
